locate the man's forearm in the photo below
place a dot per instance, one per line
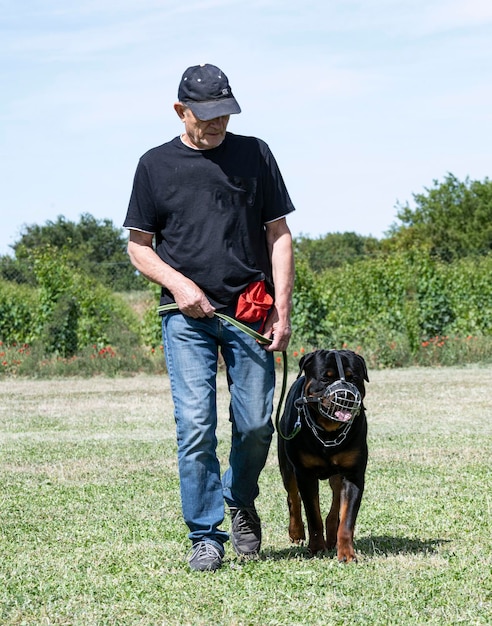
(190, 299)
(148, 263)
(282, 258)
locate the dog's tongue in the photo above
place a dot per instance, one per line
(343, 416)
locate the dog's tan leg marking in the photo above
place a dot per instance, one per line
(345, 541)
(297, 533)
(350, 497)
(332, 519)
(309, 490)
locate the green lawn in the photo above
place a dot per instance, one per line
(91, 530)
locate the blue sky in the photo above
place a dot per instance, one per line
(363, 102)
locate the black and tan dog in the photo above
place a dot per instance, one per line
(323, 435)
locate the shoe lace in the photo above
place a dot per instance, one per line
(246, 519)
(205, 549)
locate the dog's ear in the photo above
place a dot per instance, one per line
(301, 364)
(304, 361)
(363, 366)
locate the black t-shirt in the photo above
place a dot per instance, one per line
(208, 209)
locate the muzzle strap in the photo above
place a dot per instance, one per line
(338, 359)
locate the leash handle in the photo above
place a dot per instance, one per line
(164, 308)
(246, 329)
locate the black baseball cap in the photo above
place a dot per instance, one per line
(206, 91)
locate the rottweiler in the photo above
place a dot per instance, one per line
(322, 434)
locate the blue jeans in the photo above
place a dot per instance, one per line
(191, 348)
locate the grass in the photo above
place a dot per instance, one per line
(91, 530)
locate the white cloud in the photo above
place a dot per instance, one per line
(457, 15)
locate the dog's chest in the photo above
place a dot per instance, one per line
(328, 463)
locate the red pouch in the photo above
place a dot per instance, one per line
(254, 303)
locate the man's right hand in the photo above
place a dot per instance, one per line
(191, 300)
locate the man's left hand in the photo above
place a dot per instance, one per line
(279, 332)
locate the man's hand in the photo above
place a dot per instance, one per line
(190, 299)
(279, 331)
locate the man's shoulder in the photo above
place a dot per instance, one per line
(249, 145)
(247, 140)
(161, 151)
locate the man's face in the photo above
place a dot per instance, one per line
(200, 134)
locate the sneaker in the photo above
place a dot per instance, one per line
(205, 557)
(246, 531)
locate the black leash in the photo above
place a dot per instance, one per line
(293, 400)
(252, 333)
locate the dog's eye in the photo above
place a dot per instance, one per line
(328, 375)
(350, 375)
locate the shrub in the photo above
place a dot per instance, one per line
(309, 311)
(391, 305)
(151, 329)
(399, 310)
(18, 307)
(66, 312)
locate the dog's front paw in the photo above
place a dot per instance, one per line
(297, 533)
(317, 544)
(346, 554)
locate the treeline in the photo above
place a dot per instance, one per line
(94, 247)
(67, 285)
(450, 221)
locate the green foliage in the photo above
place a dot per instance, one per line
(334, 249)
(390, 305)
(67, 311)
(445, 350)
(96, 247)
(32, 361)
(151, 329)
(59, 311)
(396, 300)
(468, 285)
(18, 305)
(15, 270)
(397, 310)
(308, 311)
(452, 220)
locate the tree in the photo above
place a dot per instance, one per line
(452, 220)
(334, 249)
(96, 247)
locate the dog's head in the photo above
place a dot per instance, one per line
(325, 371)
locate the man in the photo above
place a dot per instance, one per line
(216, 204)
